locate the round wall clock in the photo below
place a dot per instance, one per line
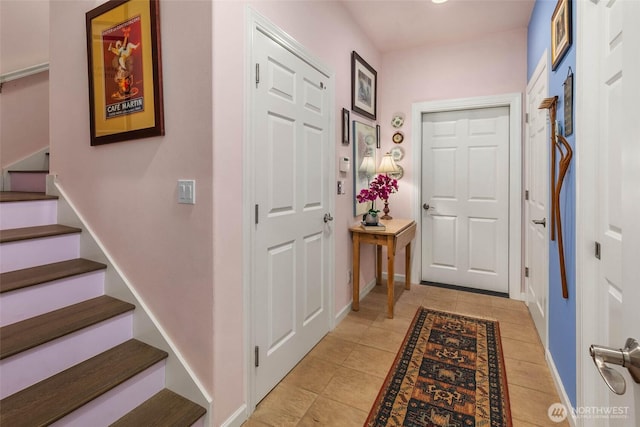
(398, 137)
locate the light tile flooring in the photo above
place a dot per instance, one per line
(337, 382)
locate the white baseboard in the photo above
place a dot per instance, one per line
(344, 311)
(561, 391)
(237, 418)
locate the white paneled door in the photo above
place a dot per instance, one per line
(611, 291)
(292, 238)
(536, 183)
(465, 183)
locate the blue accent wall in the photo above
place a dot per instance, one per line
(562, 312)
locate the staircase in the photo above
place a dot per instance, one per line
(67, 352)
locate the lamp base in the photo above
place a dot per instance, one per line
(386, 211)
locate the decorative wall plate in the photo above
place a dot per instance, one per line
(398, 137)
(397, 153)
(398, 120)
(399, 174)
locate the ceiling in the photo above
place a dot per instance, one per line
(400, 24)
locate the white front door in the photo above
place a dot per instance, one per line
(610, 312)
(536, 200)
(293, 147)
(465, 183)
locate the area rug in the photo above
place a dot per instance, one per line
(449, 372)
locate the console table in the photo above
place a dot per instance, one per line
(398, 234)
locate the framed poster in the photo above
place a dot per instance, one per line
(364, 162)
(560, 32)
(364, 87)
(125, 73)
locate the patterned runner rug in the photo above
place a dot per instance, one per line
(449, 372)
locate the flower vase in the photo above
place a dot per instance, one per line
(370, 219)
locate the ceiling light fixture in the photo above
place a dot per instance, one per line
(438, 1)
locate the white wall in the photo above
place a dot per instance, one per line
(127, 191)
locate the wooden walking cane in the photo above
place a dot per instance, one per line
(565, 160)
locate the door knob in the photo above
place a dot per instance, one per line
(629, 357)
(426, 206)
(327, 217)
(542, 222)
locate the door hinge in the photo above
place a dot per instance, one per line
(598, 250)
(526, 194)
(257, 354)
(526, 272)
(257, 74)
(526, 118)
(256, 214)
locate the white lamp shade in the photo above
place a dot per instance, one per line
(387, 164)
(368, 166)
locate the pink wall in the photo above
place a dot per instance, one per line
(128, 190)
(489, 65)
(24, 117)
(24, 112)
(326, 30)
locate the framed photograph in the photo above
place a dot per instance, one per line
(560, 32)
(364, 162)
(125, 72)
(364, 87)
(345, 127)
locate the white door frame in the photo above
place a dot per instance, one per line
(514, 102)
(256, 22)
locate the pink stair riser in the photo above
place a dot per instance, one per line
(28, 214)
(114, 404)
(31, 366)
(29, 181)
(34, 252)
(35, 300)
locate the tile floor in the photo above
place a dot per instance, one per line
(337, 382)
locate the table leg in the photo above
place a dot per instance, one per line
(390, 282)
(407, 266)
(356, 272)
(378, 265)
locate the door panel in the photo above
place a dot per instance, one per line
(291, 280)
(465, 179)
(536, 207)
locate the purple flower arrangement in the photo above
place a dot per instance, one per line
(381, 187)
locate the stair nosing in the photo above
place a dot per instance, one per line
(57, 396)
(29, 333)
(36, 232)
(24, 196)
(30, 171)
(32, 276)
(190, 413)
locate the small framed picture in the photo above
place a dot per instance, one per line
(345, 127)
(364, 87)
(560, 32)
(377, 136)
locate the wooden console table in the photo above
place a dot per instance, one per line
(398, 234)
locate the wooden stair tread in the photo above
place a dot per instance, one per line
(166, 408)
(18, 279)
(53, 398)
(25, 233)
(29, 333)
(22, 196)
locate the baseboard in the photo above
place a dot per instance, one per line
(344, 311)
(237, 418)
(571, 417)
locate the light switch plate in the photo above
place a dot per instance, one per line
(187, 191)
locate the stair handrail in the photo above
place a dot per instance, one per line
(24, 72)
